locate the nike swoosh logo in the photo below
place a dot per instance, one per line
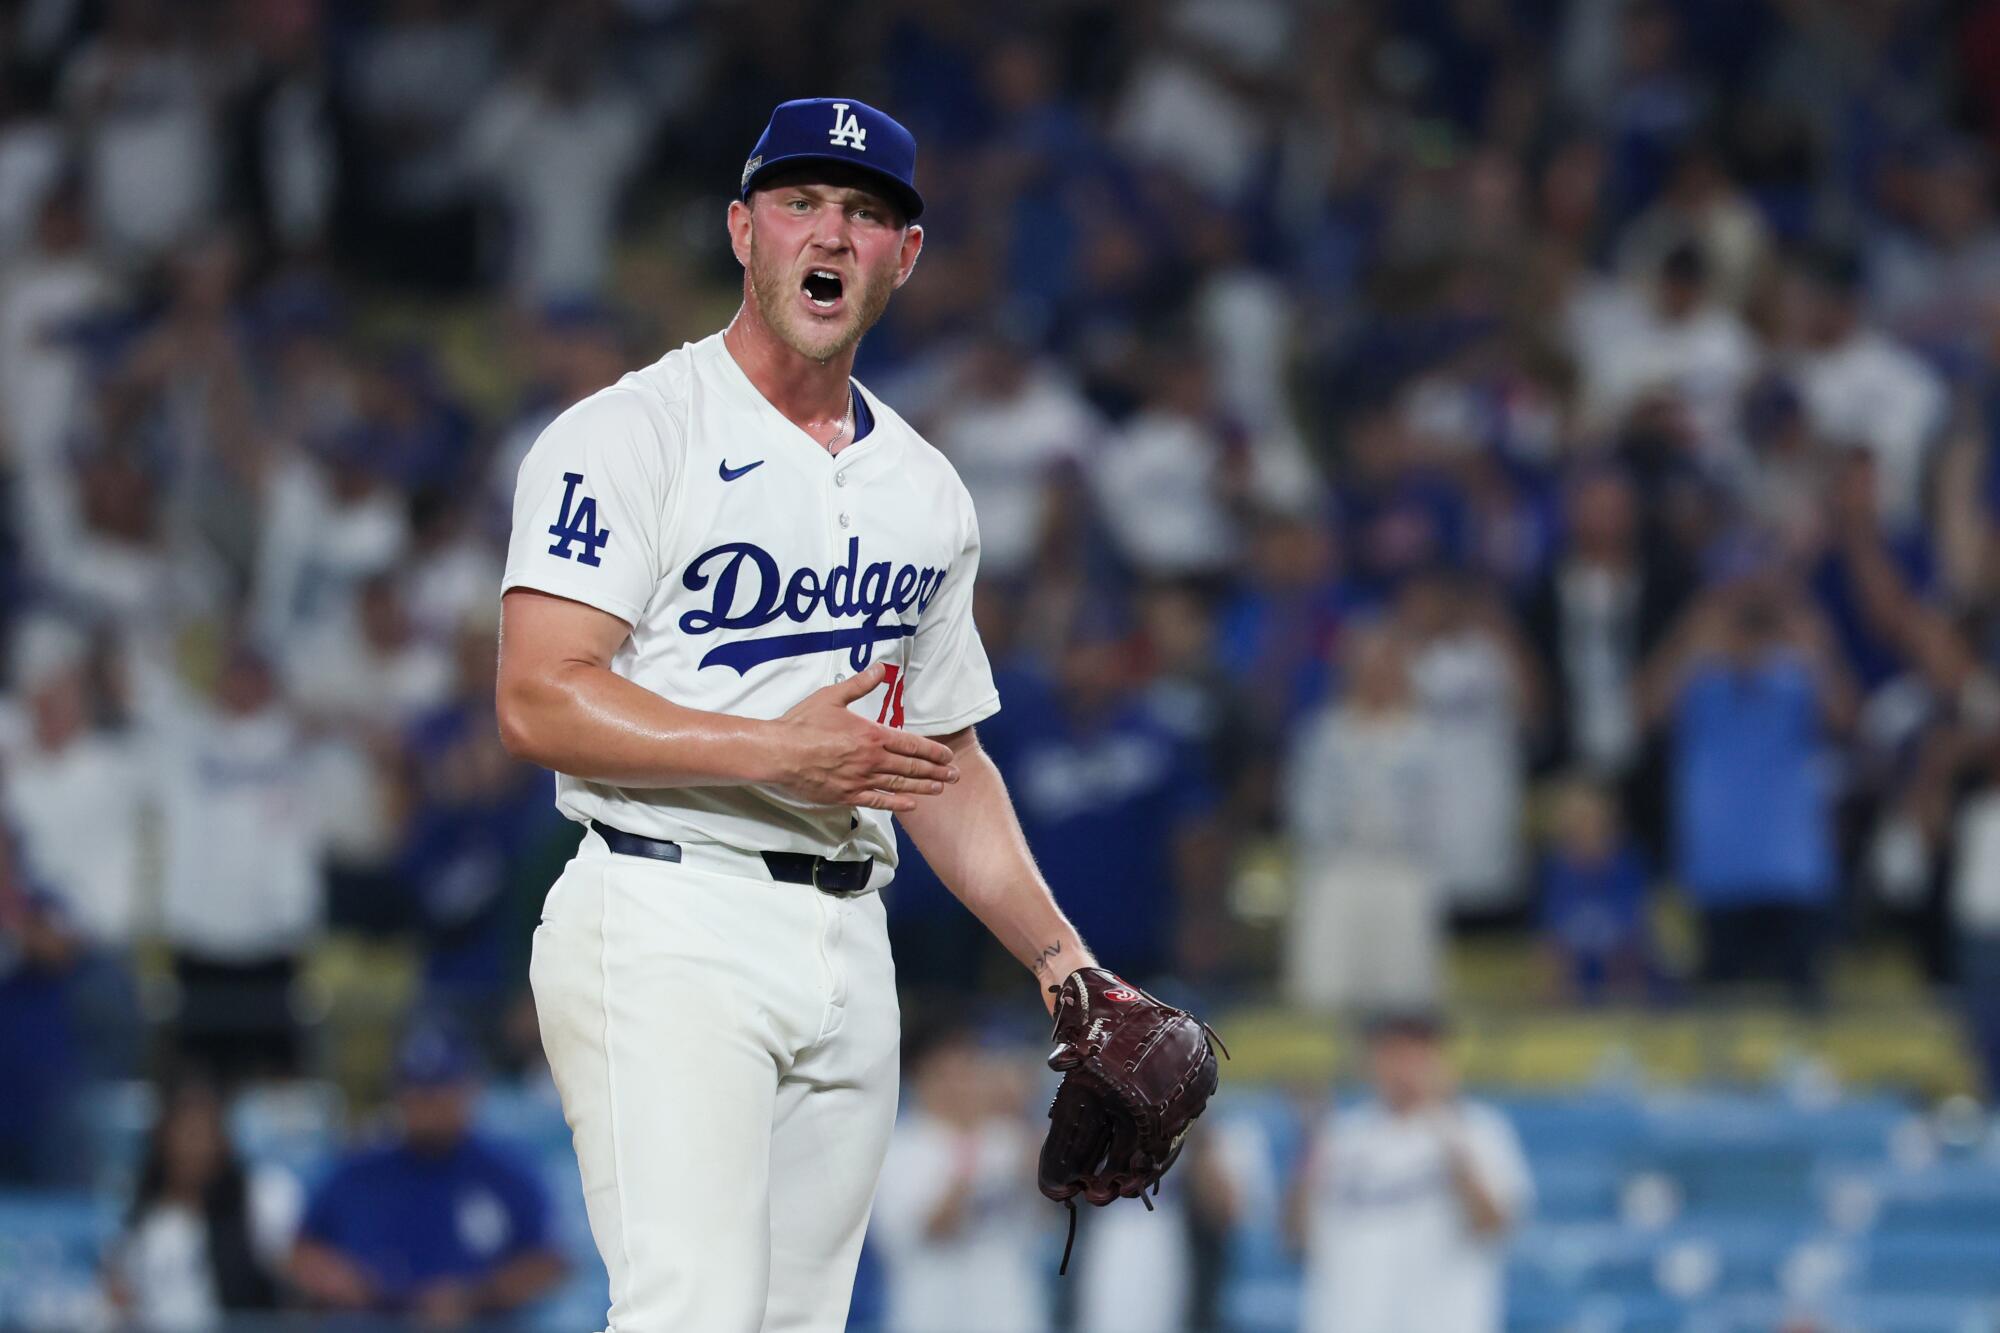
(732, 473)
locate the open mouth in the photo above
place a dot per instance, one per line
(822, 287)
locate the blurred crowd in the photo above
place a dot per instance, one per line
(1500, 462)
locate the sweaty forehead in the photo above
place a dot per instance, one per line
(827, 180)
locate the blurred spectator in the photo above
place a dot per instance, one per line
(1933, 279)
(1954, 802)
(75, 791)
(204, 1237)
(1113, 795)
(1672, 335)
(1703, 207)
(451, 570)
(1168, 480)
(283, 155)
(241, 894)
(437, 1225)
(475, 816)
(1871, 583)
(33, 158)
(140, 98)
(1593, 911)
(1193, 691)
(407, 86)
(1751, 685)
(1016, 429)
(49, 293)
(1405, 1202)
(1279, 627)
(1188, 106)
(38, 1046)
(76, 796)
(559, 143)
(568, 351)
(1363, 801)
(1862, 388)
(1597, 614)
(367, 668)
(331, 520)
(1474, 681)
(957, 1220)
(126, 567)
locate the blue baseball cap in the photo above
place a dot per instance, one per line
(433, 1054)
(839, 129)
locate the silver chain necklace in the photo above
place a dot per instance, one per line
(846, 425)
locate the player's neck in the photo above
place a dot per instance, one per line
(812, 395)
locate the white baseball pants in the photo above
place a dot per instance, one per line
(726, 1050)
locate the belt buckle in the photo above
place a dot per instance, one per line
(817, 860)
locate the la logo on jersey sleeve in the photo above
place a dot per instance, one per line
(576, 526)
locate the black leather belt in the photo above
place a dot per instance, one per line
(828, 876)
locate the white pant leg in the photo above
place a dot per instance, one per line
(669, 1002)
(836, 1108)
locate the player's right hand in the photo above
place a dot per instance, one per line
(834, 757)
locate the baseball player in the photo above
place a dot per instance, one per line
(737, 622)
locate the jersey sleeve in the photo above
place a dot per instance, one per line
(950, 683)
(591, 503)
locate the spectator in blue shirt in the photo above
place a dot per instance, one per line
(438, 1224)
(477, 818)
(38, 1046)
(1594, 901)
(1114, 798)
(1875, 585)
(1749, 686)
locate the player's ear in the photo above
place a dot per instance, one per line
(739, 231)
(913, 245)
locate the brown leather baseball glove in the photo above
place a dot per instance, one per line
(1136, 1072)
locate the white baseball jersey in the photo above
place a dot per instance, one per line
(1388, 1247)
(754, 568)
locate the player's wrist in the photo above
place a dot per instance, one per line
(770, 754)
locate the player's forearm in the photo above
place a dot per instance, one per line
(589, 723)
(971, 837)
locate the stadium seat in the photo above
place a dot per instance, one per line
(51, 1247)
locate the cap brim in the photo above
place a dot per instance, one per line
(905, 198)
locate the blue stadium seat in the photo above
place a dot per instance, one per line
(1950, 1197)
(1596, 1123)
(1578, 1187)
(1733, 1179)
(51, 1247)
(1912, 1263)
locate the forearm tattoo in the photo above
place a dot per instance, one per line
(1045, 958)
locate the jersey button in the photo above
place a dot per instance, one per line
(840, 478)
(844, 520)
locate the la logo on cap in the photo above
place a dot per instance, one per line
(847, 131)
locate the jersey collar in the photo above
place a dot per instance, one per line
(864, 412)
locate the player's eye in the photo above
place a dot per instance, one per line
(865, 214)
(799, 205)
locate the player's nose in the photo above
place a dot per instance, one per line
(830, 230)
